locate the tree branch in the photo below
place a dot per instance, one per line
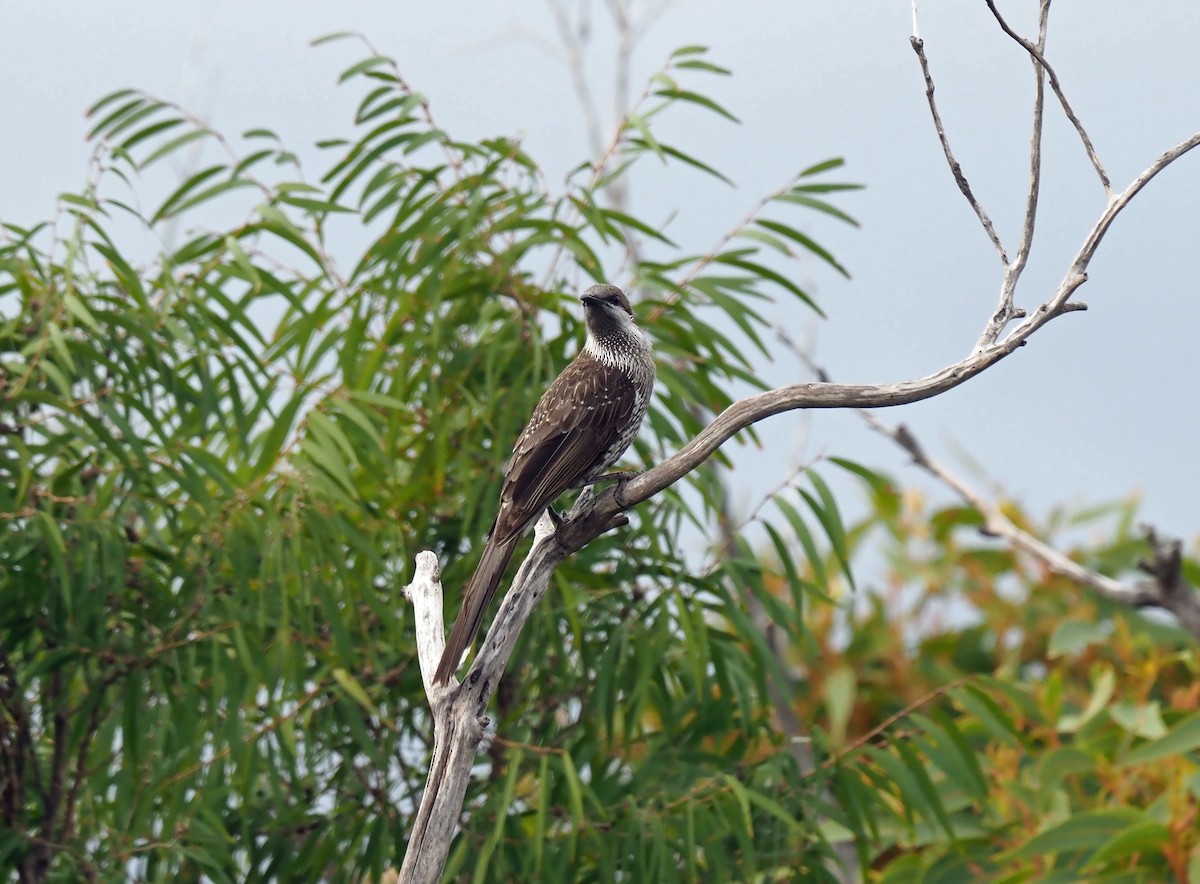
(1005, 313)
(960, 178)
(1168, 589)
(458, 708)
(1039, 58)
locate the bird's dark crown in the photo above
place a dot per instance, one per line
(606, 294)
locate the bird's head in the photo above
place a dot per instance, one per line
(606, 310)
(612, 333)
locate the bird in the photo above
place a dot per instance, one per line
(581, 426)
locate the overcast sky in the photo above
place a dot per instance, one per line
(1100, 404)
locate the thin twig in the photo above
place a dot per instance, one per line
(1035, 147)
(1005, 312)
(994, 519)
(1062, 98)
(887, 723)
(1168, 591)
(753, 409)
(574, 40)
(960, 179)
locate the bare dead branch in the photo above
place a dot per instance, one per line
(960, 177)
(995, 522)
(459, 707)
(453, 736)
(1035, 146)
(425, 593)
(1168, 589)
(1006, 312)
(1040, 59)
(575, 39)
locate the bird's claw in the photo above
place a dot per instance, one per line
(622, 478)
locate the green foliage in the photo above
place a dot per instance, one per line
(1003, 725)
(221, 457)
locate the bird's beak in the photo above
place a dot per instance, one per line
(589, 299)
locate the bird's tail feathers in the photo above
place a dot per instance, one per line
(476, 598)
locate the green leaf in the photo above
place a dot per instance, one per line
(351, 686)
(77, 309)
(1183, 738)
(831, 520)
(575, 799)
(56, 549)
(804, 535)
(181, 192)
(170, 147)
(693, 162)
(698, 99)
(242, 260)
(111, 98)
(953, 755)
(1103, 685)
(1146, 836)
(825, 166)
(988, 713)
(1142, 720)
(805, 242)
(1089, 830)
(362, 67)
(114, 117)
(840, 688)
(822, 206)
(699, 65)
(928, 790)
(1072, 637)
(640, 226)
(335, 37)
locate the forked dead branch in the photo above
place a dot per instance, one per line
(459, 707)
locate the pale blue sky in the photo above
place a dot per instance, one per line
(1099, 404)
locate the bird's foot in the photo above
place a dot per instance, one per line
(622, 478)
(555, 517)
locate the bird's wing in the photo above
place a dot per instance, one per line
(577, 420)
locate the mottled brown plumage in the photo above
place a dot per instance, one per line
(583, 423)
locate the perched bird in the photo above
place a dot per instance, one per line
(584, 422)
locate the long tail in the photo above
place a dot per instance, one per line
(479, 592)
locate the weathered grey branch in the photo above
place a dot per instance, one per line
(1168, 590)
(960, 177)
(1006, 312)
(446, 785)
(458, 708)
(1039, 58)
